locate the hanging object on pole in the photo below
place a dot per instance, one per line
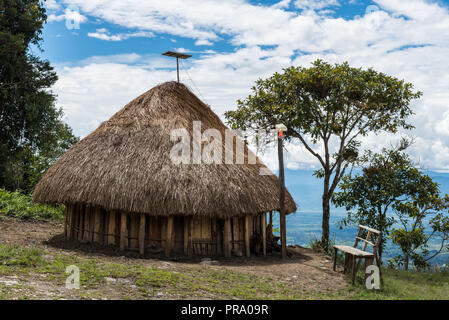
(178, 56)
(281, 128)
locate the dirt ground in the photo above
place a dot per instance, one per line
(306, 268)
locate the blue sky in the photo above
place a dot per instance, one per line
(114, 54)
(63, 45)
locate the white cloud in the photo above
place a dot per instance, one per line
(71, 14)
(282, 4)
(203, 42)
(315, 4)
(196, 19)
(104, 34)
(409, 41)
(117, 58)
(92, 93)
(52, 5)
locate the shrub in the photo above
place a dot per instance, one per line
(17, 204)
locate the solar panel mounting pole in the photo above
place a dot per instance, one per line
(178, 56)
(177, 68)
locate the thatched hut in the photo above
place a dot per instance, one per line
(121, 187)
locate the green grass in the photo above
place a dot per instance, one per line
(16, 204)
(187, 282)
(406, 285)
(148, 281)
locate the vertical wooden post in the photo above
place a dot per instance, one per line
(282, 196)
(66, 221)
(133, 231)
(148, 232)
(111, 227)
(97, 228)
(214, 235)
(283, 236)
(168, 237)
(86, 232)
(189, 248)
(75, 221)
(264, 233)
(123, 232)
(81, 221)
(227, 238)
(247, 249)
(172, 242)
(271, 219)
(142, 234)
(235, 234)
(93, 214)
(71, 221)
(186, 234)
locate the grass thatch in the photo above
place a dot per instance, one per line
(125, 165)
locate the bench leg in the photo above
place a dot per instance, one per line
(358, 264)
(368, 262)
(346, 263)
(379, 265)
(335, 258)
(354, 268)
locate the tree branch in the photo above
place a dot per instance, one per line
(299, 136)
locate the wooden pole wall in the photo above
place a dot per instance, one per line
(97, 228)
(247, 247)
(81, 222)
(123, 231)
(142, 234)
(190, 248)
(264, 233)
(227, 238)
(186, 235)
(135, 231)
(168, 239)
(71, 220)
(271, 219)
(235, 233)
(66, 222)
(86, 234)
(111, 227)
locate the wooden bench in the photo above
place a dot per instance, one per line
(353, 253)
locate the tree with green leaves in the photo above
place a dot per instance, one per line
(30, 124)
(329, 107)
(423, 206)
(368, 197)
(395, 197)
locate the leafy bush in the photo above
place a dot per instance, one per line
(19, 205)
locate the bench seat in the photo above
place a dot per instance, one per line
(354, 251)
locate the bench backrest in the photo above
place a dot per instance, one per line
(373, 238)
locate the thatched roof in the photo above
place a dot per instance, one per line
(125, 165)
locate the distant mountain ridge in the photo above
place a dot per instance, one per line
(307, 190)
(305, 225)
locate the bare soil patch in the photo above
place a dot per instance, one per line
(308, 270)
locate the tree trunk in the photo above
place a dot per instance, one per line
(326, 215)
(325, 223)
(381, 249)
